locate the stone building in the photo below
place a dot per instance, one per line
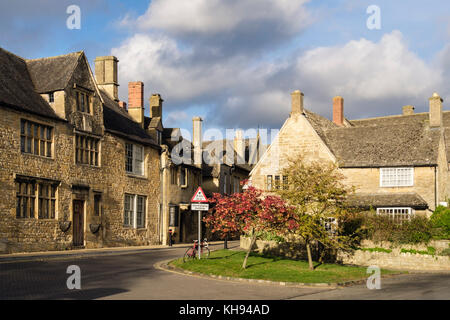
(398, 164)
(76, 170)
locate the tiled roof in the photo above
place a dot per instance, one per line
(17, 88)
(53, 73)
(384, 141)
(119, 122)
(376, 200)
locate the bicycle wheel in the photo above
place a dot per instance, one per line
(205, 252)
(189, 254)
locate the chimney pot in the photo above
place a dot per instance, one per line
(297, 102)
(338, 110)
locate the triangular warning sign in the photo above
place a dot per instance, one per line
(199, 196)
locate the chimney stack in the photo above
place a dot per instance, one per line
(136, 101)
(435, 110)
(297, 102)
(408, 110)
(156, 105)
(197, 140)
(106, 75)
(338, 110)
(239, 147)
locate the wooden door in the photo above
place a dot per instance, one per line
(78, 223)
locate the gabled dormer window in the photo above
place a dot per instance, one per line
(83, 102)
(396, 177)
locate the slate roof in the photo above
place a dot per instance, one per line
(119, 122)
(376, 200)
(384, 141)
(17, 88)
(53, 73)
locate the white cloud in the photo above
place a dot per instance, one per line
(218, 16)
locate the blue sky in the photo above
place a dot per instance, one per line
(235, 62)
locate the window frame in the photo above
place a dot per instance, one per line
(394, 216)
(183, 172)
(87, 150)
(131, 212)
(269, 182)
(131, 159)
(396, 178)
(41, 199)
(83, 102)
(36, 138)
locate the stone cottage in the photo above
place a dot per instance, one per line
(76, 170)
(399, 164)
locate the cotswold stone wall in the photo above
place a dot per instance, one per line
(110, 179)
(394, 260)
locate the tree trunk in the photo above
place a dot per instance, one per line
(308, 251)
(252, 243)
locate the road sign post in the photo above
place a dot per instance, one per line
(200, 203)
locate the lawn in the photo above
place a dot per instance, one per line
(228, 263)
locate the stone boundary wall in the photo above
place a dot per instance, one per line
(392, 260)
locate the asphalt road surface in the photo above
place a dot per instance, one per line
(133, 276)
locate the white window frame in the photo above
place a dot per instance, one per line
(396, 213)
(136, 162)
(185, 171)
(397, 177)
(132, 223)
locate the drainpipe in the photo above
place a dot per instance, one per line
(162, 206)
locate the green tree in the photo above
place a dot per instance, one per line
(318, 194)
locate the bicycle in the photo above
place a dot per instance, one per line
(191, 253)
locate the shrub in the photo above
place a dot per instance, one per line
(376, 249)
(430, 251)
(381, 228)
(440, 220)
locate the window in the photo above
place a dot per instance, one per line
(87, 150)
(285, 183)
(330, 224)
(277, 182)
(47, 201)
(174, 175)
(26, 194)
(97, 204)
(173, 216)
(396, 177)
(236, 185)
(134, 159)
(134, 211)
(36, 138)
(225, 178)
(25, 199)
(398, 215)
(269, 183)
(183, 177)
(83, 102)
(51, 97)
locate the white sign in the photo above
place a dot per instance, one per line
(200, 206)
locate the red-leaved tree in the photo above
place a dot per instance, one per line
(250, 212)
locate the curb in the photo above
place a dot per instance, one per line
(164, 265)
(72, 254)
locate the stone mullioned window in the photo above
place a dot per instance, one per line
(87, 150)
(35, 199)
(36, 138)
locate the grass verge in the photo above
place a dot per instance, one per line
(228, 263)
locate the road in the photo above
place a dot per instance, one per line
(132, 276)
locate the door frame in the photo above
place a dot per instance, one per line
(81, 230)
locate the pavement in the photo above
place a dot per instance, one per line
(129, 273)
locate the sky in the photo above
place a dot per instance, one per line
(235, 62)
